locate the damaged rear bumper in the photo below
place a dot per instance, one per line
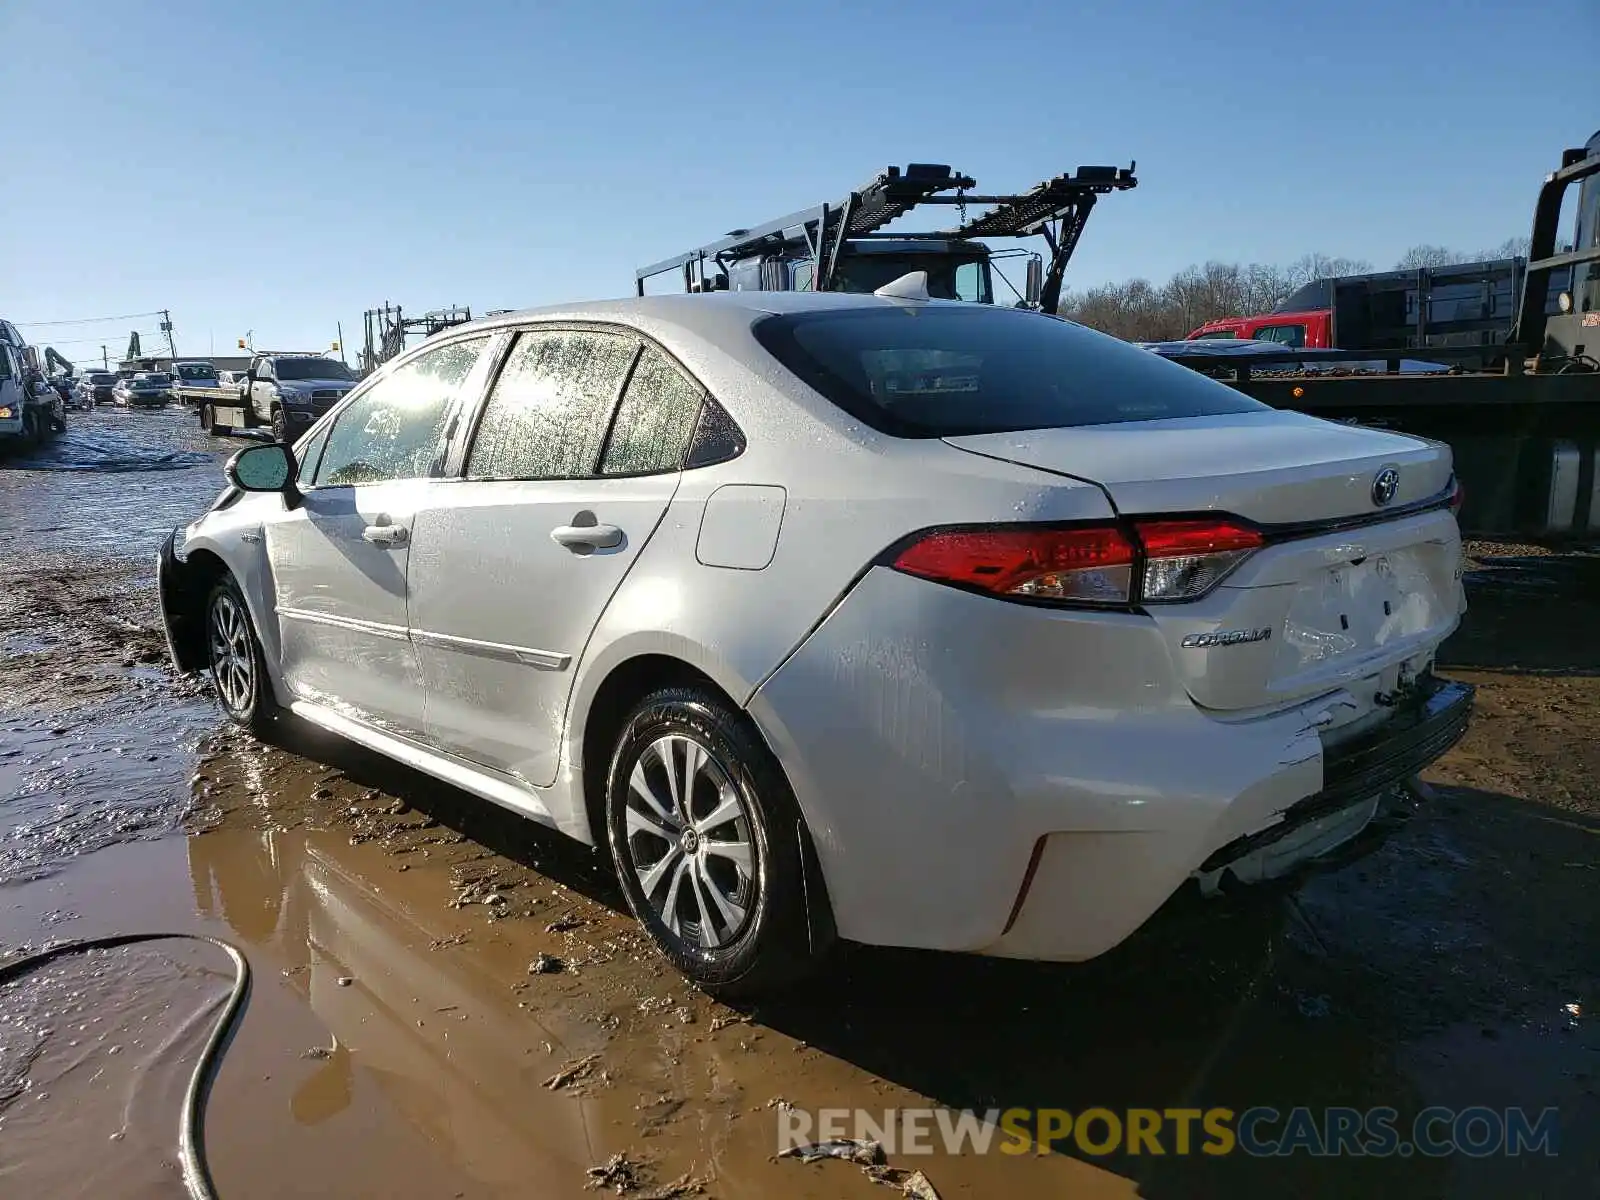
(1357, 777)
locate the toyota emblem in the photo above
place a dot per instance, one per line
(1384, 486)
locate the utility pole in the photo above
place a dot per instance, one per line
(166, 328)
(105, 359)
(339, 325)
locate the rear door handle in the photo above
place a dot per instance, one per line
(385, 535)
(602, 537)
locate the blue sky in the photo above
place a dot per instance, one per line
(282, 167)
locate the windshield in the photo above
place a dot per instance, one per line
(102, 380)
(949, 277)
(155, 377)
(923, 370)
(312, 368)
(197, 371)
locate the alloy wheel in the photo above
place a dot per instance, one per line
(689, 842)
(232, 657)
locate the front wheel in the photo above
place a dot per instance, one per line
(708, 845)
(238, 666)
(280, 426)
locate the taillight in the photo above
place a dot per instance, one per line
(1168, 559)
(1091, 564)
(1458, 495)
(1186, 558)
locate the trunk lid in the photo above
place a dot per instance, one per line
(1274, 467)
(1317, 610)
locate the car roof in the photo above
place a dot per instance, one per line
(711, 311)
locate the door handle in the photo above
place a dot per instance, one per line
(602, 537)
(385, 535)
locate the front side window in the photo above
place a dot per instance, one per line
(925, 371)
(655, 420)
(397, 428)
(307, 452)
(547, 414)
(969, 283)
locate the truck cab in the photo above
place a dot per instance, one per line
(1296, 330)
(957, 270)
(290, 391)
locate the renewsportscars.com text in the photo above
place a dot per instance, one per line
(1477, 1132)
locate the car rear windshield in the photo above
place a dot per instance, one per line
(941, 370)
(312, 368)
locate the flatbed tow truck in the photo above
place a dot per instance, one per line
(1526, 436)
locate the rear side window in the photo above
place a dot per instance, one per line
(932, 370)
(548, 412)
(655, 420)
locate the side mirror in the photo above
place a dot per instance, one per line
(264, 469)
(1035, 285)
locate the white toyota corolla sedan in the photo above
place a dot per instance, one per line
(916, 623)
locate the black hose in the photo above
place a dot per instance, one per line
(191, 1128)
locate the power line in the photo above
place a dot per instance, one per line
(88, 320)
(108, 339)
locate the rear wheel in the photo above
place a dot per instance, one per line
(708, 845)
(238, 666)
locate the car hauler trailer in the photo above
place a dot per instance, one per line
(844, 247)
(1526, 436)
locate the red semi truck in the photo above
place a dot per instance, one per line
(1461, 307)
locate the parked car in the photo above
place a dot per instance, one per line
(162, 379)
(144, 390)
(97, 387)
(913, 622)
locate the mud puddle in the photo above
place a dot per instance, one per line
(426, 964)
(113, 481)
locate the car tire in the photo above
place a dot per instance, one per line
(730, 911)
(280, 426)
(208, 421)
(238, 665)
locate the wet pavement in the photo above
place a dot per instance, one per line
(400, 1043)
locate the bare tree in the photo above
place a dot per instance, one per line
(1512, 247)
(1429, 256)
(1324, 266)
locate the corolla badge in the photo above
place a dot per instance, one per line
(1224, 637)
(1384, 485)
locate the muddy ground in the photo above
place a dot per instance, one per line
(399, 1044)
